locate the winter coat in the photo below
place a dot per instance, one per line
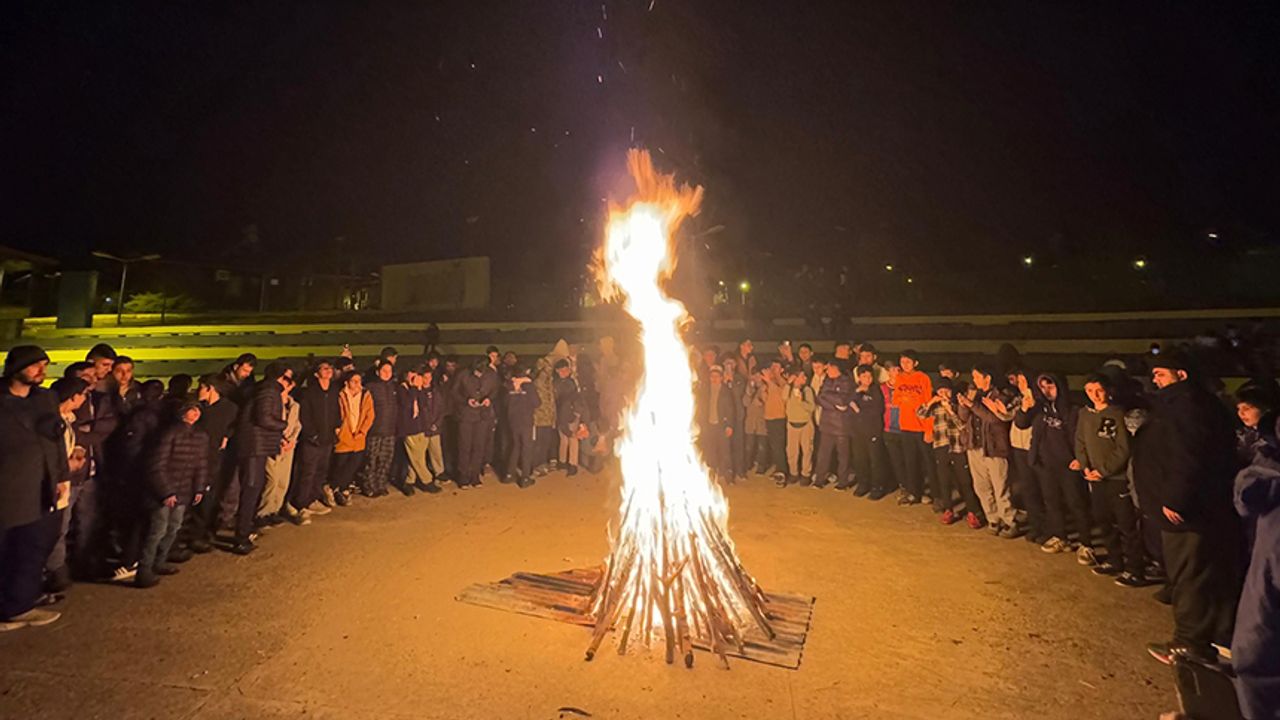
(775, 399)
(179, 463)
(1102, 442)
(801, 403)
(33, 456)
(912, 391)
(836, 398)
(544, 386)
(354, 440)
(137, 440)
(477, 389)
(1052, 425)
(96, 420)
(216, 421)
(433, 417)
(990, 432)
(386, 406)
(411, 412)
(569, 407)
(1255, 646)
(737, 386)
(868, 421)
(319, 412)
(726, 411)
(520, 406)
(261, 427)
(1183, 458)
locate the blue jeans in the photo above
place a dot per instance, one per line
(162, 530)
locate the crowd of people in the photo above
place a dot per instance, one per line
(1149, 481)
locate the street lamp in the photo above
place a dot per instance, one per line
(1140, 264)
(124, 274)
(1028, 260)
(744, 287)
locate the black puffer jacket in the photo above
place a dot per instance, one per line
(179, 463)
(319, 413)
(33, 459)
(262, 424)
(386, 406)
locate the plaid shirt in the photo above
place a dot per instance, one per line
(947, 427)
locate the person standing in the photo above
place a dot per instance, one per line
(34, 487)
(544, 418)
(70, 393)
(258, 437)
(757, 440)
(988, 415)
(948, 478)
(1024, 488)
(521, 404)
(355, 408)
(177, 477)
(1255, 643)
(870, 458)
(432, 427)
(1102, 453)
(1052, 417)
(776, 389)
(319, 415)
(736, 384)
(217, 415)
(570, 418)
(801, 404)
(715, 423)
(838, 418)
(912, 389)
(1183, 466)
(475, 422)
(272, 505)
(380, 448)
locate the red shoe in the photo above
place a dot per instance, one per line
(973, 521)
(948, 517)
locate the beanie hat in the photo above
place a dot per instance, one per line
(1172, 360)
(67, 388)
(22, 357)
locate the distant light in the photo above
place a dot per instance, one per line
(1213, 236)
(909, 280)
(889, 268)
(744, 286)
(721, 283)
(1028, 260)
(1140, 264)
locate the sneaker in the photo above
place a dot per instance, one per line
(1129, 580)
(926, 500)
(525, 482)
(328, 497)
(1155, 572)
(317, 508)
(570, 470)
(243, 546)
(995, 528)
(200, 545)
(1054, 545)
(124, 573)
(1105, 568)
(807, 481)
(407, 489)
(906, 499)
(1167, 653)
(342, 499)
(973, 521)
(433, 487)
(180, 555)
(302, 518)
(1085, 556)
(1010, 532)
(877, 494)
(34, 617)
(861, 491)
(780, 482)
(146, 580)
(948, 517)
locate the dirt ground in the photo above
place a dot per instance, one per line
(354, 617)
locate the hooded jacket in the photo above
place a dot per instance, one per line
(1052, 424)
(354, 440)
(1102, 442)
(33, 458)
(1255, 647)
(319, 412)
(179, 463)
(1184, 458)
(262, 427)
(835, 399)
(519, 406)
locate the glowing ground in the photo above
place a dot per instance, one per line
(355, 617)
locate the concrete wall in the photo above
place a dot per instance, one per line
(436, 285)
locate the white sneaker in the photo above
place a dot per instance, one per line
(124, 573)
(1085, 556)
(34, 617)
(1054, 545)
(317, 508)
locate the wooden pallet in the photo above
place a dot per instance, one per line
(566, 597)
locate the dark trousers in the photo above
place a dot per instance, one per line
(917, 463)
(471, 445)
(829, 445)
(871, 463)
(1117, 519)
(738, 451)
(521, 455)
(1204, 578)
(715, 449)
(490, 443)
(777, 430)
(1065, 498)
(952, 473)
(449, 443)
(253, 476)
(310, 471)
(1025, 493)
(895, 448)
(23, 550)
(546, 443)
(343, 468)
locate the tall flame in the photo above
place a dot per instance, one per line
(672, 571)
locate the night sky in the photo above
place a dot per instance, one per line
(889, 131)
